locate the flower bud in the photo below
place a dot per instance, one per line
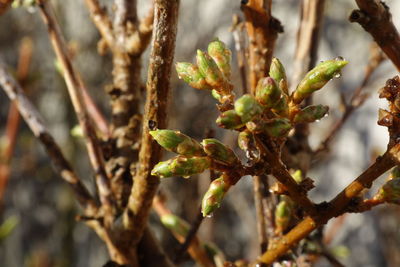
(247, 108)
(390, 191)
(311, 114)
(278, 127)
(218, 151)
(278, 73)
(282, 107)
(175, 224)
(209, 69)
(192, 75)
(221, 55)
(267, 92)
(283, 214)
(177, 142)
(316, 78)
(229, 120)
(213, 197)
(181, 166)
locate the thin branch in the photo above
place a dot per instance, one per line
(35, 123)
(262, 30)
(13, 120)
(259, 200)
(102, 21)
(237, 32)
(158, 87)
(374, 16)
(335, 207)
(76, 95)
(312, 14)
(196, 251)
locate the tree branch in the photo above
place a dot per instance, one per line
(35, 123)
(158, 87)
(76, 95)
(374, 16)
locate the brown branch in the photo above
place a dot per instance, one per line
(357, 99)
(237, 32)
(196, 251)
(335, 207)
(262, 30)
(13, 119)
(76, 95)
(35, 123)
(374, 16)
(158, 87)
(4, 5)
(102, 21)
(259, 200)
(312, 14)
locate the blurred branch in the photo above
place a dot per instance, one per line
(13, 120)
(102, 21)
(357, 99)
(374, 16)
(4, 5)
(335, 207)
(35, 123)
(195, 250)
(312, 14)
(158, 87)
(76, 95)
(237, 32)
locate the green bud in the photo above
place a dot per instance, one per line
(317, 78)
(191, 75)
(213, 197)
(218, 151)
(311, 114)
(209, 69)
(177, 142)
(181, 166)
(221, 55)
(283, 214)
(282, 107)
(216, 95)
(278, 73)
(277, 127)
(77, 131)
(175, 224)
(229, 120)
(247, 108)
(390, 191)
(245, 140)
(267, 92)
(298, 176)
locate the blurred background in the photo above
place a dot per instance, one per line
(38, 210)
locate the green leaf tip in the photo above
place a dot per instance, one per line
(213, 197)
(181, 166)
(218, 151)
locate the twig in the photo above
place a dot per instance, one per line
(237, 32)
(35, 123)
(262, 30)
(191, 235)
(312, 14)
(25, 54)
(259, 198)
(194, 248)
(76, 95)
(374, 16)
(357, 99)
(102, 21)
(335, 207)
(158, 87)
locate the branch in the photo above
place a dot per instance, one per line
(374, 16)
(335, 207)
(262, 30)
(312, 14)
(158, 87)
(76, 95)
(35, 123)
(102, 21)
